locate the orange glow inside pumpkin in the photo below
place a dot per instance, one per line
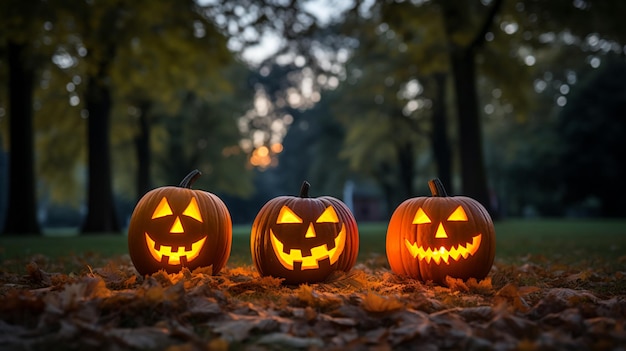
(442, 254)
(175, 254)
(318, 253)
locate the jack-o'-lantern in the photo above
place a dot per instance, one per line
(303, 239)
(174, 227)
(429, 238)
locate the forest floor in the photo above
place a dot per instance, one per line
(554, 285)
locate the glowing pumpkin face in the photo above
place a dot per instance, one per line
(328, 244)
(176, 254)
(304, 239)
(431, 237)
(175, 227)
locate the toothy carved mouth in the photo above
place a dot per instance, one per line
(174, 256)
(318, 253)
(443, 254)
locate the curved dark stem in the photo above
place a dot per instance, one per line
(436, 188)
(304, 190)
(190, 179)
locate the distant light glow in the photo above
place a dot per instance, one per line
(540, 85)
(561, 101)
(571, 77)
(74, 100)
(412, 89)
(263, 151)
(269, 44)
(63, 60)
(299, 61)
(489, 109)
(509, 27)
(530, 60)
(261, 104)
(199, 30)
(410, 107)
(594, 62)
(333, 82)
(277, 148)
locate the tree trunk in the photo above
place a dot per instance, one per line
(406, 162)
(142, 148)
(101, 216)
(22, 204)
(440, 141)
(177, 163)
(474, 179)
(462, 58)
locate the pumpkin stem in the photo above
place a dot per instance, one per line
(436, 188)
(304, 190)
(189, 179)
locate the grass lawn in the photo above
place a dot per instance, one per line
(560, 240)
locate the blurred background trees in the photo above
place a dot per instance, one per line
(515, 103)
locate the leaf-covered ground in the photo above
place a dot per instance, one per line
(533, 304)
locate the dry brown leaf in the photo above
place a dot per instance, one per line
(455, 284)
(140, 338)
(290, 342)
(513, 325)
(582, 276)
(481, 287)
(38, 276)
(512, 296)
(239, 327)
(201, 307)
(368, 308)
(378, 304)
(307, 295)
(559, 299)
(346, 322)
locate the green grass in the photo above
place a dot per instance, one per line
(565, 241)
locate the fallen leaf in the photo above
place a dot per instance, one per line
(378, 304)
(513, 297)
(289, 341)
(140, 338)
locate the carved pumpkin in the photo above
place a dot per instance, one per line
(174, 227)
(303, 239)
(429, 238)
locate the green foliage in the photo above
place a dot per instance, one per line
(154, 52)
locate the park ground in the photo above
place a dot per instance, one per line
(555, 284)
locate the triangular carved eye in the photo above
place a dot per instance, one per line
(328, 216)
(163, 209)
(286, 215)
(458, 215)
(421, 217)
(193, 210)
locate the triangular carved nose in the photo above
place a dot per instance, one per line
(177, 228)
(441, 233)
(310, 232)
